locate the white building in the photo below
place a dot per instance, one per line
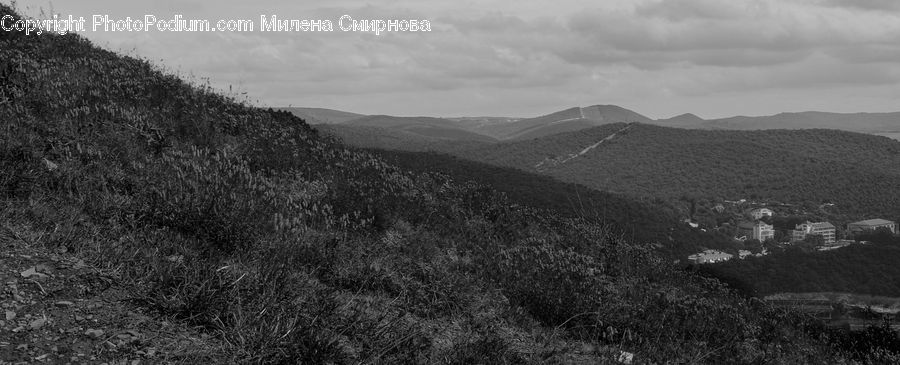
(872, 225)
(757, 230)
(759, 213)
(709, 257)
(824, 229)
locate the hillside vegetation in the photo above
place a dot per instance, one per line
(858, 173)
(567, 120)
(392, 139)
(426, 127)
(652, 222)
(857, 122)
(464, 129)
(859, 269)
(289, 248)
(579, 118)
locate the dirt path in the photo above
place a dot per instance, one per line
(557, 162)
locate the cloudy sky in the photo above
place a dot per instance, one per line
(515, 58)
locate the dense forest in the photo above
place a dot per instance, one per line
(290, 248)
(650, 221)
(859, 269)
(393, 139)
(858, 173)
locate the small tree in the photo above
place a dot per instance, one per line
(754, 245)
(814, 239)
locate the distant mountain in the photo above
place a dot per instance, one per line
(480, 128)
(482, 125)
(476, 122)
(873, 123)
(401, 128)
(578, 118)
(861, 122)
(858, 172)
(686, 120)
(396, 139)
(343, 257)
(321, 115)
(567, 120)
(430, 128)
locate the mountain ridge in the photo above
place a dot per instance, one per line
(321, 115)
(577, 118)
(855, 122)
(427, 127)
(785, 165)
(277, 244)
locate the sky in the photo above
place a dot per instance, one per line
(520, 58)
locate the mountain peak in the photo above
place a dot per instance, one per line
(607, 106)
(682, 120)
(685, 116)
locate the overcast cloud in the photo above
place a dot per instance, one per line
(512, 58)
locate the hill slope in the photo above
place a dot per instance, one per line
(429, 128)
(860, 173)
(573, 119)
(855, 122)
(687, 120)
(651, 222)
(568, 120)
(284, 246)
(411, 129)
(392, 139)
(322, 115)
(479, 124)
(858, 269)
(871, 123)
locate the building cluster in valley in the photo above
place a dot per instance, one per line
(754, 226)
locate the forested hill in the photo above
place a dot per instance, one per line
(427, 128)
(646, 221)
(859, 173)
(858, 269)
(651, 222)
(857, 122)
(282, 246)
(394, 139)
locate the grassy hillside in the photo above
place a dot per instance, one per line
(249, 226)
(859, 173)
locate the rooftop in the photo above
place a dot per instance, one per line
(872, 222)
(819, 225)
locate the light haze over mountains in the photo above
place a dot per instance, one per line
(487, 129)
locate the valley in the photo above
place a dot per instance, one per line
(149, 218)
(578, 118)
(707, 180)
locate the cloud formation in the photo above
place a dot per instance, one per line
(504, 57)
